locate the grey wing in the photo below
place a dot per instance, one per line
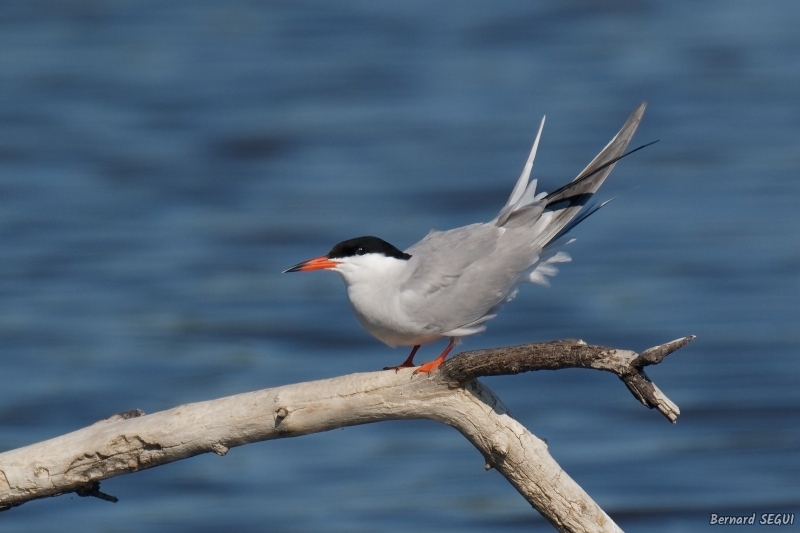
(461, 276)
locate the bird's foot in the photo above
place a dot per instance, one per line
(408, 363)
(430, 366)
(398, 367)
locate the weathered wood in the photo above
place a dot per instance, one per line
(131, 441)
(627, 365)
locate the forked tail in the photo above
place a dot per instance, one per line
(564, 207)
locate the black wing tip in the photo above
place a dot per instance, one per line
(570, 201)
(580, 179)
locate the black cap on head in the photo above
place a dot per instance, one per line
(366, 245)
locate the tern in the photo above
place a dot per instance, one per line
(451, 283)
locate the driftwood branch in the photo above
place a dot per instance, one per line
(130, 441)
(627, 365)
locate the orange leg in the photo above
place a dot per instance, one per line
(409, 362)
(432, 365)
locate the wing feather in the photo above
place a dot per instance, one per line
(458, 279)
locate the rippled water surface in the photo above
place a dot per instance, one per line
(162, 162)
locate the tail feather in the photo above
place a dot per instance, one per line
(567, 202)
(523, 192)
(588, 210)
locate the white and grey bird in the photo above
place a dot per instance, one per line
(449, 284)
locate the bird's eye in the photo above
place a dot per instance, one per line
(360, 250)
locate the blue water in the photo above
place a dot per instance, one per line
(162, 162)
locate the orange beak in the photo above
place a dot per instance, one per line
(318, 263)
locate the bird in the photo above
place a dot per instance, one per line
(451, 283)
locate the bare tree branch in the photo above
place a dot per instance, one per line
(627, 365)
(131, 441)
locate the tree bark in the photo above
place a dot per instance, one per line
(132, 441)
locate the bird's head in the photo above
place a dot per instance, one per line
(356, 259)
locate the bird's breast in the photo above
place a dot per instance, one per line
(380, 312)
